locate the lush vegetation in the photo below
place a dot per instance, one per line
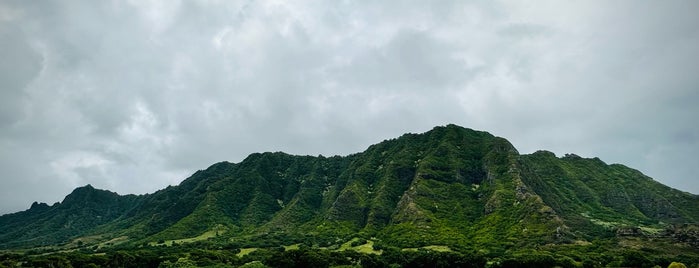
(449, 197)
(201, 255)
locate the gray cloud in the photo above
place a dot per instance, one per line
(134, 95)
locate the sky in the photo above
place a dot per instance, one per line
(133, 96)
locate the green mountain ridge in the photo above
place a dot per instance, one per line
(450, 186)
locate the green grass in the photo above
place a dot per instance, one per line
(367, 248)
(432, 248)
(292, 247)
(114, 241)
(206, 235)
(245, 251)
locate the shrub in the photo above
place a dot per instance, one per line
(677, 265)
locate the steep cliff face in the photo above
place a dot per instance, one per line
(448, 186)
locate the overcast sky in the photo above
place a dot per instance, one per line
(132, 96)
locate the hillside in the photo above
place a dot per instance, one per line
(451, 187)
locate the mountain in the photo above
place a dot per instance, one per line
(450, 186)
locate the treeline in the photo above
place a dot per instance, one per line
(269, 257)
(315, 257)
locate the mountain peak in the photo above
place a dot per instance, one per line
(87, 187)
(457, 128)
(38, 206)
(88, 193)
(83, 190)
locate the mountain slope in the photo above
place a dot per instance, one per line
(449, 186)
(81, 211)
(589, 193)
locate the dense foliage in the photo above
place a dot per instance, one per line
(190, 256)
(469, 194)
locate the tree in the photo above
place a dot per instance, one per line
(677, 265)
(121, 259)
(299, 258)
(180, 263)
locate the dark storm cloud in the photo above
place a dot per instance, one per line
(135, 95)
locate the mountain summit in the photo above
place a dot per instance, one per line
(450, 186)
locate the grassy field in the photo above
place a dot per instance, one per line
(367, 248)
(245, 251)
(114, 241)
(291, 247)
(432, 248)
(206, 235)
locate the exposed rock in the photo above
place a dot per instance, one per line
(521, 191)
(572, 156)
(629, 231)
(493, 203)
(686, 233)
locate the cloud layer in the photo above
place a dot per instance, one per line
(133, 96)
